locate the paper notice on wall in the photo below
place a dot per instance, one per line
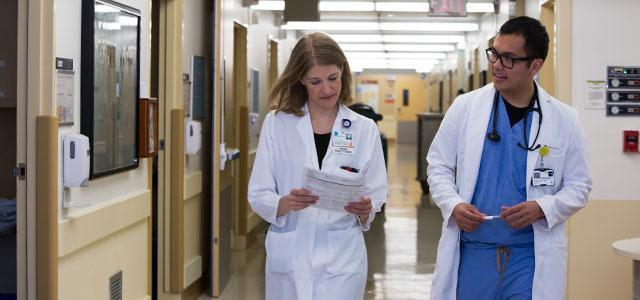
(369, 94)
(64, 96)
(390, 97)
(595, 94)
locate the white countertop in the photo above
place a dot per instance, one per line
(628, 248)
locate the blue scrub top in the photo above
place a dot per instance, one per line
(501, 182)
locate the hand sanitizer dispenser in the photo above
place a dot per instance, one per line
(76, 152)
(193, 137)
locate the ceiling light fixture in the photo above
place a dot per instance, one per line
(387, 26)
(396, 55)
(423, 26)
(331, 26)
(398, 38)
(473, 7)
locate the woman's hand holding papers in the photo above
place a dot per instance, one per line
(297, 199)
(362, 208)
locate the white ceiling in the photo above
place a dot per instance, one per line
(390, 39)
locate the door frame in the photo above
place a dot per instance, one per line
(22, 255)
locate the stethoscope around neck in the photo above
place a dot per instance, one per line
(494, 136)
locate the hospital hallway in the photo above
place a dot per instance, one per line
(401, 244)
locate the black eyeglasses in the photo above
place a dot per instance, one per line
(506, 60)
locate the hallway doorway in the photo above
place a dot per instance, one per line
(11, 214)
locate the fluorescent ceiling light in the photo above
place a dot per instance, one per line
(390, 26)
(362, 47)
(417, 55)
(416, 38)
(363, 55)
(400, 26)
(397, 38)
(421, 66)
(357, 38)
(403, 6)
(397, 47)
(419, 48)
(345, 6)
(268, 5)
(395, 55)
(325, 26)
(480, 8)
(474, 7)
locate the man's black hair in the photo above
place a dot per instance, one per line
(536, 38)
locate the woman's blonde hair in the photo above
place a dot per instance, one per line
(288, 94)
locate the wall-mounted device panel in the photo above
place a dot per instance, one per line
(623, 110)
(623, 91)
(76, 151)
(193, 137)
(624, 96)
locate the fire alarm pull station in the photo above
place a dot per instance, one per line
(630, 142)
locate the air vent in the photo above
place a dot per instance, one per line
(115, 286)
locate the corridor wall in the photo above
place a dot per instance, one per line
(595, 272)
(106, 229)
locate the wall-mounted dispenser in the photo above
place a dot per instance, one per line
(193, 137)
(76, 152)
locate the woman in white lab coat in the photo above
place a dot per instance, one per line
(315, 253)
(454, 159)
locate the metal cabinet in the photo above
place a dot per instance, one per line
(428, 124)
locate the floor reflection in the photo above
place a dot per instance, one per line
(401, 244)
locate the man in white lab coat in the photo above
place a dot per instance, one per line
(507, 168)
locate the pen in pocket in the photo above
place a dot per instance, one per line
(350, 169)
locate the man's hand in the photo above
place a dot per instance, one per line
(467, 216)
(522, 214)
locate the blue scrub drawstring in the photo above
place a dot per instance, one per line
(503, 254)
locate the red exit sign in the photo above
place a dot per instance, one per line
(448, 8)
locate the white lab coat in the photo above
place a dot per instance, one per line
(453, 165)
(314, 253)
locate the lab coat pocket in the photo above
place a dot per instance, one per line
(280, 248)
(555, 160)
(347, 254)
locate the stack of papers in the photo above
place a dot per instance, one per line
(334, 191)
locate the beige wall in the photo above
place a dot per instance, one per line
(98, 243)
(85, 274)
(108, 228)
(394, 111)
(595, 271)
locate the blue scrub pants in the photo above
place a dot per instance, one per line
(491, 273)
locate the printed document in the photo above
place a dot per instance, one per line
(334, 191)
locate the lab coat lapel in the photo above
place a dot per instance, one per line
(305, 131)
(476, 134)
(343, 113)
(532, 157)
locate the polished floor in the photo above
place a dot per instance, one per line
(401, 244)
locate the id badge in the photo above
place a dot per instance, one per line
(543, 177)
(342, 142)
